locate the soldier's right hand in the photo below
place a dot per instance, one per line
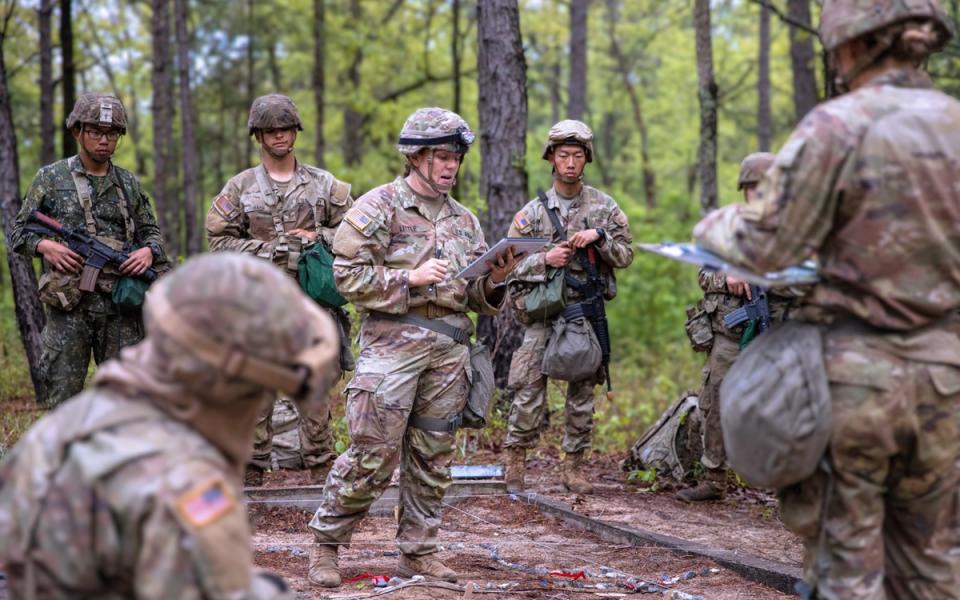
(559, 255)
(432, 271)
(738, 287)
(60, 257)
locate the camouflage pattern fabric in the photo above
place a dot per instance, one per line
(842, 21)
(592, 209)
(241, 218)
(569, 131)
(402, 369)
(867, 182)
(753, 167)
(273, 111)
(433, 122)
(94, 108)
(94, 325)
(108, 497)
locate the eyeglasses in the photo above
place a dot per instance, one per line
(96, 134)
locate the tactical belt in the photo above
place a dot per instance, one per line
(431, 311)
(460, 336)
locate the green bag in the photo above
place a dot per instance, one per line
(315, 274)
(547, 299)
(129, 293)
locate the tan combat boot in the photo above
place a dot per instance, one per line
(323, 566)
(572, 477)
(253, 476)
(427, 565)
(516, 467)
(318, 473)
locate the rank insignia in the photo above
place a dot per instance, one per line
(205, 503)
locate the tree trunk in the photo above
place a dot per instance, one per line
(577, 90)
(29, 313)
(802, 60)
(188, 142)
(707, 161)
(764, 114)
(319, 75)
(69, 76)
(162, 80)
(48, 151)
(649, 177)
(352, 118)
(251, 73)
(502, 107)
(456, 52)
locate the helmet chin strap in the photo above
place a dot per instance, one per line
(428, 179)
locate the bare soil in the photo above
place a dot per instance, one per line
(504, 546)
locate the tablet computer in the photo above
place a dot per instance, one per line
(521, 247)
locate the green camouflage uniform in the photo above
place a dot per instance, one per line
(94, 325)
(402, 369)
(242, 219)
(867, 182)
(590, 210)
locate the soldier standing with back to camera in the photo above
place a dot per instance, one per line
(87, 193)
(397, 254)
(868, 182)
(276, 211)
(591, 219)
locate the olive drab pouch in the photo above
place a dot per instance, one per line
(573, 351)
(60, 290)
(545, 300)
(128, 293)
(698, 328)
(315, 275)
(475, 412)
(775, 409)
(671, 445)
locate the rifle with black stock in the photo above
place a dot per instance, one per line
(96, 255)
(756, 309)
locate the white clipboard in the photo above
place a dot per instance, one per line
(521, 247)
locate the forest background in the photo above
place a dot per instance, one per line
(676, 91)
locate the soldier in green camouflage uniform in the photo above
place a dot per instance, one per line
(276, 211)
(721, 296)
(132, 489)
(868, 183)
(87, 193)
(591, 218)
(397, 254)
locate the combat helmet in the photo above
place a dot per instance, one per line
(244, 321)
(95, 108)
(273, 111)
(845, 20)
(753, 167)
(569, 132)
(434, 128)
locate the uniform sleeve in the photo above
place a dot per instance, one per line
(145, 223)
(359, 247)
(197, 545)
(616, 249)
(338, 203)
(712, 282)
(533, 268)
(227, 226)
(22, 241)
(796, 205)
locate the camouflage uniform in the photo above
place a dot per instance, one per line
(592, 209)
(247, 218)
(132, 488)
(119, 213)
(403, 371)
(868, 182)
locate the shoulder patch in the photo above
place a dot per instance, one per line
(361, 221)
(339, 191)
(522, 222)
(225, 208)
(205, 503)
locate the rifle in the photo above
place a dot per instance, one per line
(95, 253)
(756, 309)
(593, 307)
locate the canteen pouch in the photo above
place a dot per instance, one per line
(129, 293)
(315, 275)
(475, 411)
(545, 300)
(60, 290)
(573, 352)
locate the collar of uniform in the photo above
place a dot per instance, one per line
(553, 198)
(301, 174)
(112, 178)
(407, 198)
(908, 78)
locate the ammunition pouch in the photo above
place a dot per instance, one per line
(699, 329)
(60, 290)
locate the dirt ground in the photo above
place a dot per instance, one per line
(506, 548)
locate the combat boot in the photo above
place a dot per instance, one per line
(516, 467)
(572, 477)
(253, 476)
(427, 565)
(318, 473)
(703, 491)
(323, 566)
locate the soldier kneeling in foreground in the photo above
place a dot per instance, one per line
(132, 488)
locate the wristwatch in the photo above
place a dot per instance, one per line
(603, 235)
(154, 249)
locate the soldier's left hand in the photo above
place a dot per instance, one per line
(139, 261)
(582, 239)
(502, 266)
(310, 235)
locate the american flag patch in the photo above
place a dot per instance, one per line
(521, 222)
(360, 221)
(226, 208)
(205, 503)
